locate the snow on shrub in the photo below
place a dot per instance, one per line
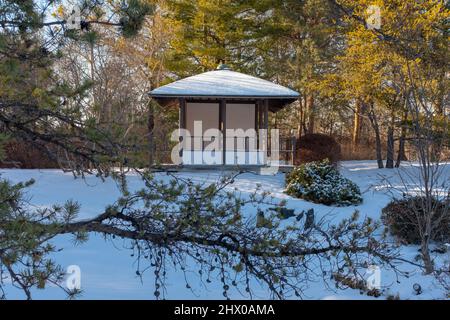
(321, 182)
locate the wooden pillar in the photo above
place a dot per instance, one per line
(293, 147)
(260, 115)
(256, 123)
(266, 114)
(182, 114)
(182, 120)
(151, 138)
(265, 120)
(223, 127)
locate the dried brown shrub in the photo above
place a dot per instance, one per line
(402, 217)
(23, 155)
(317, 147)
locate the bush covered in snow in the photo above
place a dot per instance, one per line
(404, 217)
(321, 182)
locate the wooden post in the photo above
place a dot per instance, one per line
(182, 114)
(223, 127)
(266, 114)
(260, 116)
(257, 123)
(265, 118)
(182, 121)
(151, 138)
(293, 147)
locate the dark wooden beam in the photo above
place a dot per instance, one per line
(257, 107)
(182, 113)
(229, 101)
(266, 114)
(266, 123)
(261, 113)
(182, 121)
(223, 127)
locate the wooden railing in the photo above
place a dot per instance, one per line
(286, 147)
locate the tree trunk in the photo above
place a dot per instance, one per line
(390, 148)
(376, 129)
(425, 251)
(301, 117)
(311, 113)
(401, 151)
(357, 124)
(94, 91)
(401, 156)
(98, 114)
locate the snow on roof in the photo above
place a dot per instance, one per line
(224, 83)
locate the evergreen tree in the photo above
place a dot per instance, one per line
(36, 105)
(39, 107)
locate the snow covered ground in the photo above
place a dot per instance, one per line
(107, 268)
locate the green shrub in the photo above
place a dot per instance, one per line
(321, 182)
(402, 217)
